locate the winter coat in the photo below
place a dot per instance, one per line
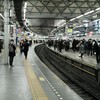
(81, 48)
(12, 50)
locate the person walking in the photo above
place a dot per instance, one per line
(26, 48)
(96, 50)
(81, 48)
(21, 46)
(12, 49)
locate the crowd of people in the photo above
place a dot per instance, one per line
(89, 47)
(23, 46)
(84, 47)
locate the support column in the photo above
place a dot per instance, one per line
(14, 34)
(6, 30)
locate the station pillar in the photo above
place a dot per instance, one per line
(6, 30)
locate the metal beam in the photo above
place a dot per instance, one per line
(44, 26)
(44, 18)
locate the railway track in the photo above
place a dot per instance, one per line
(81, 82)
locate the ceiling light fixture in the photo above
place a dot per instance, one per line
(89, 12)
(79, 16)
(2, 16)
(72, 19)
(97, 9)
(25, 6)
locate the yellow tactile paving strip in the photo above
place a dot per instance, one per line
(35, 86)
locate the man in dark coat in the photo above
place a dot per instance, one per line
(97, 50)
(96, 47)
(26, 48)
(12, 53)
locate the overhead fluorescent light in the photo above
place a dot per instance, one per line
(72, 19)
(25, 5)
(2, 16)
(62, 25)
(79, 16)
(85, 14)
(89, 12)
(53, 30)
(94, 16)
(97, 9)
(24, 10)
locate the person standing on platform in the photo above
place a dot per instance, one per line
(55, 44)
(97, 50)
(60, 45)
(26, 48)
(81, 48)
(12, 53)
(21, 46)
(96, 47)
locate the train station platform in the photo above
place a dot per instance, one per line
(30, 79)
(87, 60)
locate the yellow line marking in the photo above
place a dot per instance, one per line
(29, 81)
(77, 67)
(35, 86)
(90, 65)
(41, 79)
